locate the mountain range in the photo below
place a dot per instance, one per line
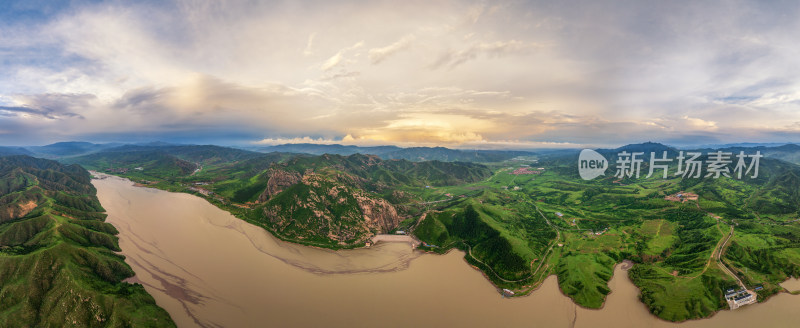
(518, 218)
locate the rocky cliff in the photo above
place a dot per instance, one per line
(322, 210)
(278, 181)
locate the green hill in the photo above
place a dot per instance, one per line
(780, 196)
(520, 220)
(58, 266)
(141, 163)
(327, 200)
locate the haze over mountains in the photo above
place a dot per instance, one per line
(70, 149)
(784, 151)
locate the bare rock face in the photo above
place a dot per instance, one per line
(327, 210)
(278, 181)
(16, 211)
(379, 214)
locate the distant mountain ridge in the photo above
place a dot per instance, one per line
(319, 149)
(787, 152)
(201, 154)
(9, 151)
(68, 148)
(415, 154)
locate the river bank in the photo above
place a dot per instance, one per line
(208, 268)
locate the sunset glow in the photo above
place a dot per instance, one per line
(452, 73)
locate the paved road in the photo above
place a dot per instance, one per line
(722, 265)
(558, 237)
(720, 249)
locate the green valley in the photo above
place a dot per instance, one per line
(518, 220)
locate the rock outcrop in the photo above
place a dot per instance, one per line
(278, 181)
(320, 209)
(379, 214)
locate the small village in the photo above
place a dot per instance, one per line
(681, 197)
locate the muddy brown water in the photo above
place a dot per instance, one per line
(209, 269)
(791, 284)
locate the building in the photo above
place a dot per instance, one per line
(742, 299)
(429, 245)
(739, 298)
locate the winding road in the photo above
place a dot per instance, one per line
(722, 265)
(544, 258)
(533, 272)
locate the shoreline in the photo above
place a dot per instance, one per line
(626, 264)
(388, 238)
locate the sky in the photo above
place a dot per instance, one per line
(460, 74)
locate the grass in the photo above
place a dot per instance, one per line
(661, 233)
(584, 278)
(679, 298)
(58, 260)
(495, 218)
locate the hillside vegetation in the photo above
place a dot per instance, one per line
(519, 220)
(329, 200)
(58, 266)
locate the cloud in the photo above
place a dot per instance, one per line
(474, 144)
(333, 61)
(451, 59)
(339, 56)
(377, 55)
(297, 140)
(700, 123)
(448, 73)
(308, 51)
(49, 106)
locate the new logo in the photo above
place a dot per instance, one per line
(591, 164)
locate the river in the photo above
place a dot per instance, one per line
(209, 269)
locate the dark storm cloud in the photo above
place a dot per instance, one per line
(51, 106)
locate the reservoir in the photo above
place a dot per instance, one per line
(210, 269)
